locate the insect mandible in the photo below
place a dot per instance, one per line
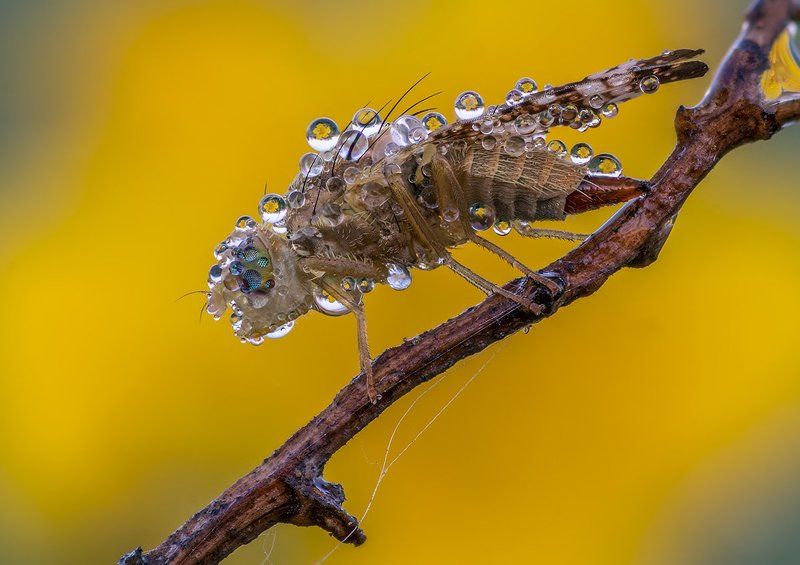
(380, 198)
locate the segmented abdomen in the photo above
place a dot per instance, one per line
(528, 187)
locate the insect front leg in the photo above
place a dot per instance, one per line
(332, 271)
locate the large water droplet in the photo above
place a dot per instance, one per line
(401, 130)
(353, 145)
(296, 199)
(581, 153)
(367, 121)
(514, 97)
(322, 134)
(557, 146)
(514, 146)
(215, 274)
(481, 216)
(433, 121)
(469, 105)
(526, 86)
(366, 285)
(281, 331)
(327, 304)
(374, 195)
(272, 208)
(606, 165)
(399, 278)
(525, 124)
(311, 165)
(245, 222)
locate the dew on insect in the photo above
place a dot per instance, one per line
(605, 164)
(481, 216)
(526, 86)
(581, 153)
(469, 105)
(399, 278)
(322, 134)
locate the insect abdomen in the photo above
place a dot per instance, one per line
(528, 187)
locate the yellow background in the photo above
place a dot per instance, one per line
(656, 422)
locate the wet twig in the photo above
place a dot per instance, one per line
(288, 486)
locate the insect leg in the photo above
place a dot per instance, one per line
(511, 260)
(527, 231)
(364, 357)
(489, 287)
(365, 361)
(414, 217)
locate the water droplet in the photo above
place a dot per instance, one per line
(502, 227)
(335, 184)
(236, 321)
(390, 169)
(469, 105)
(245, 222)
(649, 84)
(401, 130)
(366, 285)
(367, 121)
(546, 118)
(351, 175)
(486, 127)
(450, 214)
(581, 153)
(525, 124)
(596, 102)
(322, 134)
(569, 113)
(610, 110)
(399, 278)
(433, 121)
(514, 97)
(331, 214)
(489, 142)
(255, 340)
(557, 146)
(215, 274)
(353, 145)
(606, 165)
(418, 135)
(327, 304)
(481, 216)
(281, 331)
(526, 86)
(514, 146)
(586, 116)
(348, 284)
(280, 227)
(311, 165)
(219, 251)
(272, 208)
(296, 199)
(374, 195)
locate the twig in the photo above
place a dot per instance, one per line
(288, 486)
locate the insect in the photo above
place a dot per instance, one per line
(382, 197)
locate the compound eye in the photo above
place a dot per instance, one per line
(253, 268)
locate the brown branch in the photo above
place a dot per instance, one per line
(288, 486)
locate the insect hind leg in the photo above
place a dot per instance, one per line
(489, 287)
(514, 262)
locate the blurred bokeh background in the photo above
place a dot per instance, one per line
(657, 422)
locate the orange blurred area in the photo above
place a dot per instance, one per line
(657, 422)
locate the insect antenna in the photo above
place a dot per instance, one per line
(414, 105)
(203, 309)
(424, 110)
(190, 293)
